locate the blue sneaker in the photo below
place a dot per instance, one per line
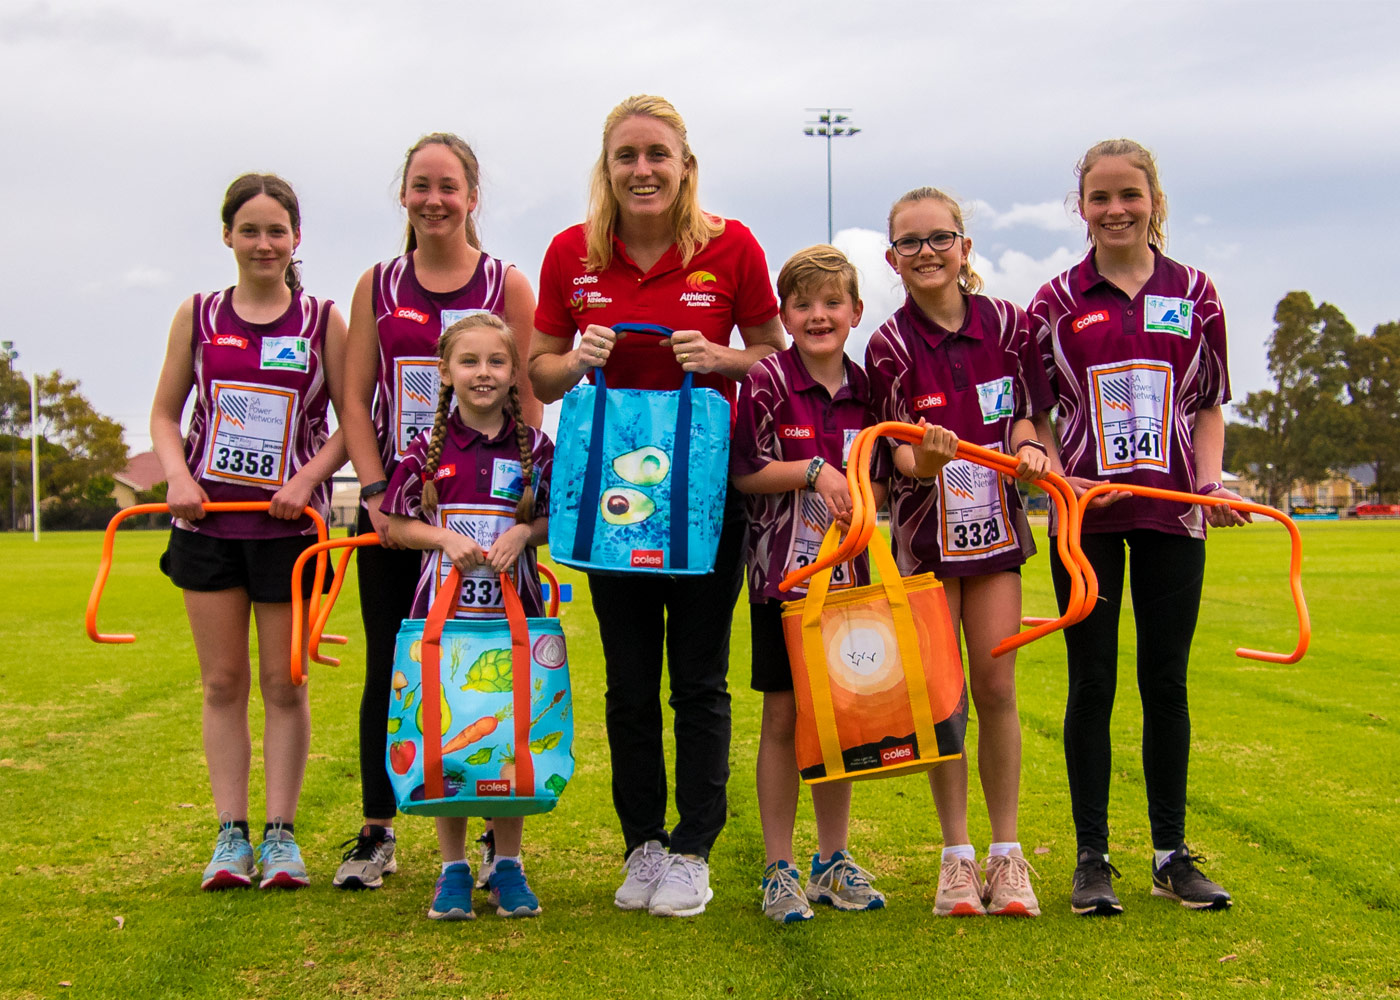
(233, 866)
(843, 884)
(452, 896)
(783, 898)
(510, 892)
(280, 857)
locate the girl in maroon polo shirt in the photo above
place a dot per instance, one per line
(966, 365)
(1134, 344)
(401, 306)
(253, 356)
(475, 493)
(649, 254)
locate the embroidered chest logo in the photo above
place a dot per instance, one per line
(231, 340)
(1088, 320)
(445, 472)
(929, 400)
(413, 315)
(797, 432)
(700, 285)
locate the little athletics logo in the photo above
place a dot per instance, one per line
(492, 786)
(648, 559)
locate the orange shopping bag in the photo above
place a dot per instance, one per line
(877, 674)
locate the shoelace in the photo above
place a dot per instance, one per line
(227, 848)
(783, 882)
(1016, 871)
(1082, 875)
(681, 870)
(274, 849)
(964, 873)
(649, 864)
(847, 871)
(365, 845)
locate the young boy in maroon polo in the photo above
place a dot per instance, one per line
(798, 413)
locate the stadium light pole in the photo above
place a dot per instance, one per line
(830, 124)
(8, 352)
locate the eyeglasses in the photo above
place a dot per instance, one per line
(909, 246)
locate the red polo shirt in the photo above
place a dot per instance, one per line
(725, 285)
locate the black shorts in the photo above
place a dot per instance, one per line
(261, 566)
(771, 669)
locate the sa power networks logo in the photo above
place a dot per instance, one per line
(585, 298)
(698, 283)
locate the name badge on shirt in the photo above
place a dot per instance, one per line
(450, 316)
(848, 438)
(291, 353)
(1166, 314)
(995, 399)
(507, 479)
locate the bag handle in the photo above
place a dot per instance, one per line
(906, 636)
(520, 664)
(591, 493)
(430, 658)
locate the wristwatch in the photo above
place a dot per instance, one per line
(814, 469)
(1208, 489)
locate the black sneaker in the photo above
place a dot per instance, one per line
(1093, 894)
(1181, 880)
(369, 859)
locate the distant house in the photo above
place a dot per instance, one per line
(141, 475)
(1338, 491)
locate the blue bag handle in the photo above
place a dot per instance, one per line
(680, 462)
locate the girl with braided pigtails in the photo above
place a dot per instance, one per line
(474, 494)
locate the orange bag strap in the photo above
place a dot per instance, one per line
(430, 655)
(520, 662)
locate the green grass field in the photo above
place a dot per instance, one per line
(1294, 800)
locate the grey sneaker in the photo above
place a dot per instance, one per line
(684, 888)
(644, 867)
(783, 900)
(843, 884)
(368, 861)
(1008, 891)
(959, 889)
(232, 866)
(487, 843)
(282, 867)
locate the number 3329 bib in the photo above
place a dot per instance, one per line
(481, 587)
(972, 511)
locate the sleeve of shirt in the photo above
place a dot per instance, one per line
(1033, 392)
(881, 457)
(405, 493)
(886, 372)
(755, 444)
(552, 311)
(754, 300)
(544, 462)
(1214, 369)
(1042, 339)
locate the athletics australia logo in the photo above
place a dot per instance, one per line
(697, 282)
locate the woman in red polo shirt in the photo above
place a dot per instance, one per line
(648, 254)
(1134, 344)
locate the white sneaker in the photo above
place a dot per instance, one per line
(684, 888)
(644, 867)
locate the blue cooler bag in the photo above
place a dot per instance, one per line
(496, 694)
(639, 476)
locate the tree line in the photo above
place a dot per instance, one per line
(1335, 403)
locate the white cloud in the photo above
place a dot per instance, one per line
(144, 277)
(1200, 220)
(1053, 216)
(1017, 276)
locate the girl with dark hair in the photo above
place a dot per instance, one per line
(255, 356)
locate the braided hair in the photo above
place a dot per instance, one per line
(524, 510)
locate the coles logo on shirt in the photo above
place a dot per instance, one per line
(797, 432)
(648, 558)
(929, 400)
(404, 312)
(697, 282)
(444, 472)
(231, 340)
(1088, 320)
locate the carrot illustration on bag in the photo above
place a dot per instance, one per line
(478, 730)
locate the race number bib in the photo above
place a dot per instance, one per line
(416, 384)
(812, 521)
(972, 522)
(481, 586)
(251, 430)
(1130, 405)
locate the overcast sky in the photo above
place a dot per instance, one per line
(1276, 125)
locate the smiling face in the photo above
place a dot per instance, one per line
(646, 166)
(1116, 204)
(819, 318)
(436, 193)
(928, 275)
(262, 238)
(479, 368)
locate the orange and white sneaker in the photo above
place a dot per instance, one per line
(1008, 891)
(959, 889)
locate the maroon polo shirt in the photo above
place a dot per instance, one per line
(1130, 375)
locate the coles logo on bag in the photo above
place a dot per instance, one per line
(929, 400)
(404, 312)
(648, 558)
(492, 786)
(231, 340)
(1088, 320)
(896, 755)
(797, 432)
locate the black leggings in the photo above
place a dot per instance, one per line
(388, 578)
(1166, 574)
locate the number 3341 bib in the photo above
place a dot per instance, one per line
(1130, 405)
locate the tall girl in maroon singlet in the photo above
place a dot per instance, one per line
(389, 398)
(964, 363)
(253, 354)
(1134, 345)
(475, 492)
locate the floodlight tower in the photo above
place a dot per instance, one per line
(8, 352)
(830, 124)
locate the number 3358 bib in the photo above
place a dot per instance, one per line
(252, 424)
(1130, 405)
(972, 511)
(481, 587)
